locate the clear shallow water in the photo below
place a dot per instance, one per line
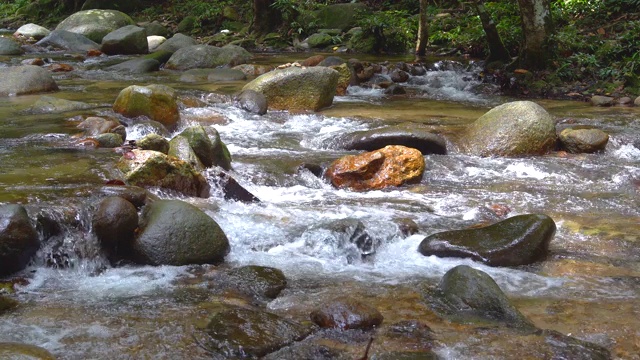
(594, 200)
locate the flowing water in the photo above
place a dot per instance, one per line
(78, 307)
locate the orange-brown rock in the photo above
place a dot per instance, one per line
(313, 60)
(392, 165)
(60, 68)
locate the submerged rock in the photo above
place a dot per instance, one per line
(7, 304)
(409, 135)
(19, 351)
(174, 232)
(519, 240)
(95, 24)
(346, 313)
(471, 296)
(258, 281)
(18, 239)
(25, 79)
(583, 140)
(390, 166)
(237, 332)
(294, 88)
(518, 128)
(93, 125)
(49, 105)
(157, 102)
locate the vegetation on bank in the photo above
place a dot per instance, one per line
(593, 45)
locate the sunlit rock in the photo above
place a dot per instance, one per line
(390, 166)
(583, 140)
(519, 240)
(26, 79)
(346, 313)
(157, 102)
(147, 168)
(18, 239)
(32, 31)
(95, 24)
(153, 142)
(518, 128)
(294, 88)
(173, 232)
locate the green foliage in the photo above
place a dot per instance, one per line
(393, 30)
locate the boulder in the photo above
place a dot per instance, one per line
(18, 239)
(136, 66)
(179, 148)
(252, 101)
(207, 146)
(126, 40)
(157, 102)
(519, 240)
(248, 333)
(294, 88)
(32, 31)
(69, 41)
(154, 28)
(93, 125)
(408, 134)
(25, 79)
(471, 296)
(576, 140)
(346, 313)
(395, 89)
(398, 76)
(231, 189)
(207, 56)
(9, 47)
(319, 40)
(253, 69)
(133, 194)
(518, 128)
(114, 222)
(153, 142)
(392, 165)
(177, 42)
(331, 61)
(344, 78)
(212, 75)
(95, 24)
(340, 16)
(312, 60)
(50, 104)
(109, 140)
(154, 41)
(599, 100)
(258, 281)
(173, 232)
(148, 168)
(125, 6)
(19, 351)
(636, 102)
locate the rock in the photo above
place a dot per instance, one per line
(344, 78)
(625, 101)
(232, 190)
(312, 61)
(238, 332)
(32, 31)
(153, 142)
(348, 236)
(187, 24)
(126, 40)
(9, 47)
(207, 56)
(160, 56)
(295, 88)
(70, 41)
(154, 28)
(176, 42)
(25, 79)
(133, 194)
(93, 125)
(636, 102)
(18, 351)
(567, 347)
(109, 140)
(398, 76)
(340, 16)
(252, 101)
(18, 239)
(395, 89)
(519, 240)
(7, 304)
(114, 223)
(136, 66)
(58, 67)
(208, 147)
(331, 61)
(157, 102)
(346, 313)
(390, 166)
(407, 134)
(598, 100)
(50, 105)
(154, 41)
(308, 351)
(319, 40)
(260, 281)
(125, 6)
(179, 148)
(407, 355)
(95, 24)
(173, 232)
(576, 140)
(519, 128)
(212, 75)
(470, 296)
(253, 69)
(147, 168)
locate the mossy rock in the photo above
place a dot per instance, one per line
(340, 16)
(19, 351)
(7, 304)
(95, 24)
(157, 102)
(260, 281)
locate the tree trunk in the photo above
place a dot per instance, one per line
(497, 51)
(266, 19)
(537, 28)
(423, 30)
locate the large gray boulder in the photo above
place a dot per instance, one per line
(27, 79)
(295, 88)
(95, 24)
(18, 239)
(126, 40)
(177, 42)
(519, 240)
(518, 128)
(67, 40)
(9, 47)
(207, 56)
(32, 31)
(174, 232)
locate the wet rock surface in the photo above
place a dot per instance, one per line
(577, 140)
(18, 239)
(346, 313)
(409, 135)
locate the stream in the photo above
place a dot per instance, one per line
(79, 307)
